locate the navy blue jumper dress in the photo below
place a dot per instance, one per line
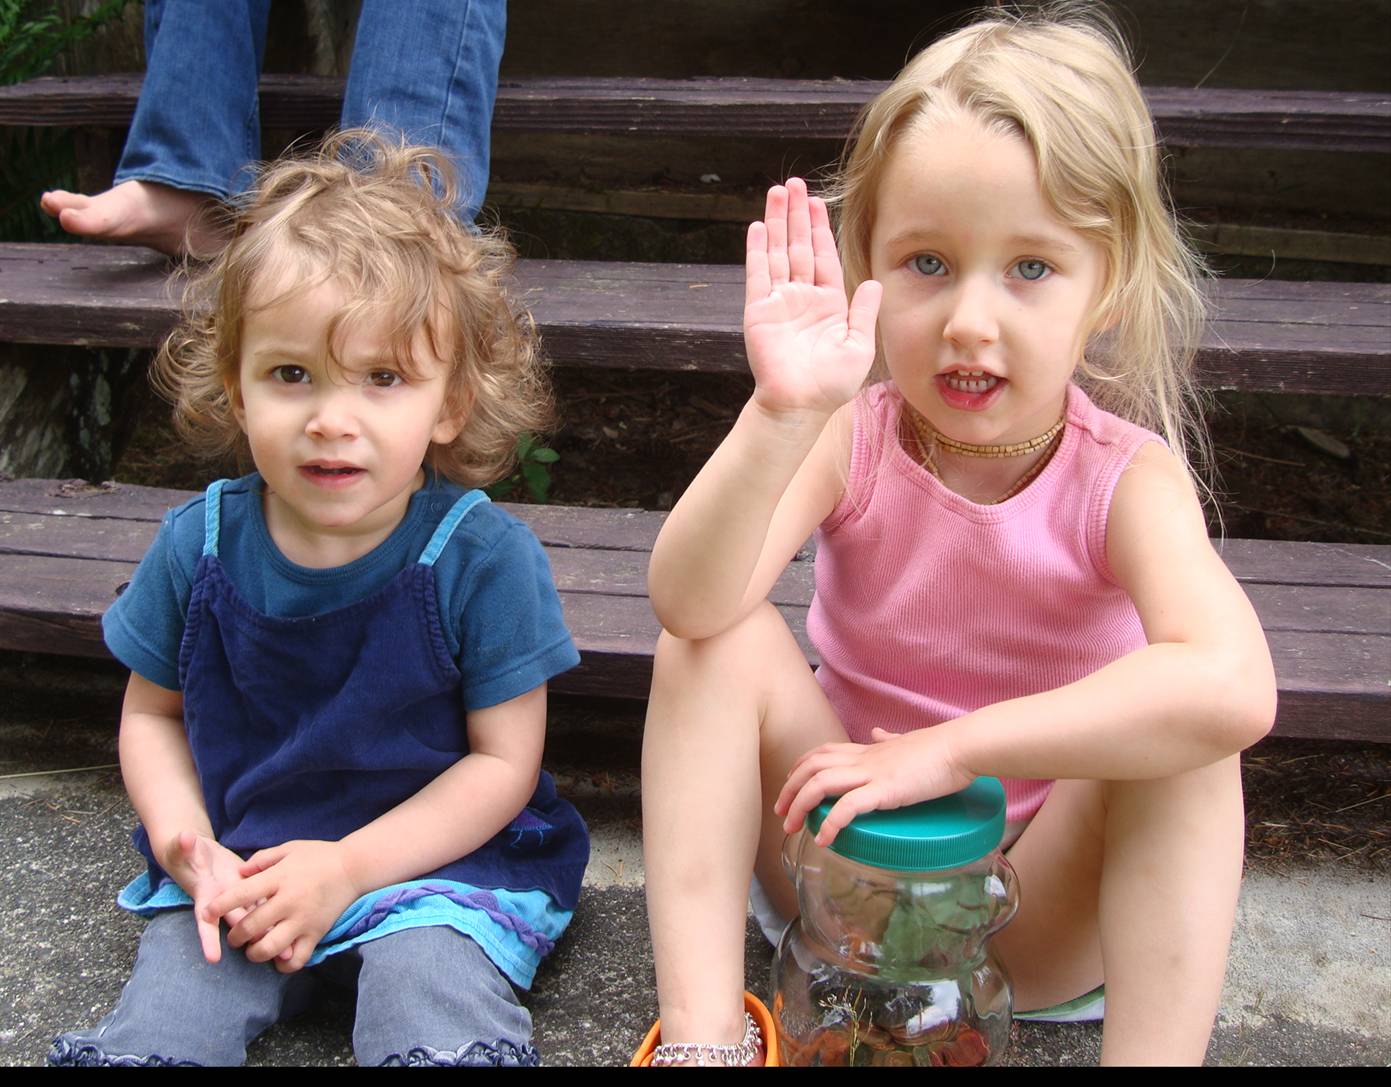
(311, 727)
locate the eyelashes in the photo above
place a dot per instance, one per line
(1030, 268)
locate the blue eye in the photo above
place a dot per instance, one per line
(1032, 269)
(291, 375)
(929, 265)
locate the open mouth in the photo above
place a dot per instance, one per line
(330, 472)
(971, 382)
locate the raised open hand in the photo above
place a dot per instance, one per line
(808, 351)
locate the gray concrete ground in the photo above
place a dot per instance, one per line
(1309, 979)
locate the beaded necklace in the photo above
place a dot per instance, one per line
(928, 441)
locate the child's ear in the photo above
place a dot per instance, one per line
(234, 399)
(452, 418)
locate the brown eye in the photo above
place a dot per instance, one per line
(291, 375)
(383, 379)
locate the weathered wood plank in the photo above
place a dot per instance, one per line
(1251, 561)
(1295, 338)
(1330, 684)
(738, 107)
(623, 573)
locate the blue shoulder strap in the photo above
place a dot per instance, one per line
(447, 526)
(212, 516)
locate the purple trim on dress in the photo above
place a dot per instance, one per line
(485, 901)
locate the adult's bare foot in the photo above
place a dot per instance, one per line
(174, 221)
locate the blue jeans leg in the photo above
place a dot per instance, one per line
(177, 1008)
(197, 124)
(429, 996)
(429, 69)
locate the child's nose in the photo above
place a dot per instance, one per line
(334, 414)
(972, 320)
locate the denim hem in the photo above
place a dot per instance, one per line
(475, 1055)
(67, 1053)
(207, 188)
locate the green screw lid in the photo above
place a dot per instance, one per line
(943, 833)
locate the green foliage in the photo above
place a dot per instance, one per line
(532, 471)
(32, 35)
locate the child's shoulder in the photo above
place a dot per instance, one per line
(485, 526)
(1102, 427)
(185, 526)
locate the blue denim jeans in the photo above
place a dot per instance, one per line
(425, 67)
(425, 996)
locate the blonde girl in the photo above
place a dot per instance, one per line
(333, 729)
(1013, 574)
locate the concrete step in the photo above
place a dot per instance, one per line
(1307, 983)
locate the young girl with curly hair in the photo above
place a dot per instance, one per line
(333, 729)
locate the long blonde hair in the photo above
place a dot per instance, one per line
(1060, 77)
(377, 216)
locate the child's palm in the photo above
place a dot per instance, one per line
(807, 349)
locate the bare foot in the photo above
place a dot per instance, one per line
(174, 221)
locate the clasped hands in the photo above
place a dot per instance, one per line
(892, 771)
(277, 903)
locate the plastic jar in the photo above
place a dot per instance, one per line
(889, 962)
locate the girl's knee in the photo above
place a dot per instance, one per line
(761, 630)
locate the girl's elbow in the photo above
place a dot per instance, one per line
(1251, 702)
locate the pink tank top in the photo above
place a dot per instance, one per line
(929, 606)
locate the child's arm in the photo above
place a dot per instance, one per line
(306, 885)
(781, 469)
(160, 778)
(1201, 690)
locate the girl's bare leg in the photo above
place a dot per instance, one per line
(726, 719)
(171, 220)
(1136, 882)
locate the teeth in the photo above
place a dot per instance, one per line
(970, 381)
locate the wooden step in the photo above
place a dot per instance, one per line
(67, 548)
(1266, 335)
(739, 108)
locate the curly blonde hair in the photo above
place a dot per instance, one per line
(1060, 77)
(377, 217)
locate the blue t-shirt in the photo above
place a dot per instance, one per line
(503, 619)
(502, 625)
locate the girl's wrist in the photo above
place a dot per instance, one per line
(793, 426)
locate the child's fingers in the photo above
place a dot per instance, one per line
(262, 859)
(801, 267)
(255, 926)
(757, 285)
(775, 218)
(823, 247)
(864, 312)
(270, 945)
(245, 896)
(295, 956)
(855, 802)
(832, 781)
(208, 938)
